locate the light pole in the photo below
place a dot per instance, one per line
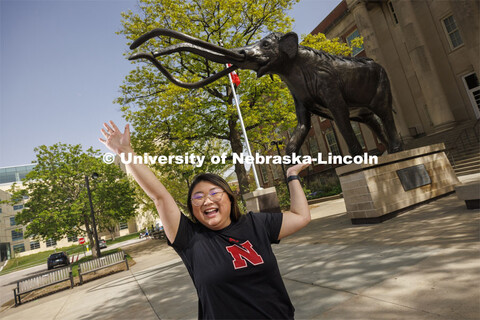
(276, 143)
(92, 214)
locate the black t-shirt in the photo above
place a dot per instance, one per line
(234, 269)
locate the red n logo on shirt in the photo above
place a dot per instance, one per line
(242, 254)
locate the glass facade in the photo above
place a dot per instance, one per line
(19, 248)
(358, 134)
(34, 245)
(332, 142)
(353, 35)
(17, 235)
(51, 243)
(14, 174)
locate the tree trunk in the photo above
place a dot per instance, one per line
(90, 237)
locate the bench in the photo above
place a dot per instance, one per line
(159, 234)
(41, 281)
(101, 263)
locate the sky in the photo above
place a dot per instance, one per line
(61, 67)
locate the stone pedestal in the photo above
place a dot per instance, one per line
(470, 193)
(376, 192)
(263, 200)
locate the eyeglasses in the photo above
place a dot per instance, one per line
(199, 198)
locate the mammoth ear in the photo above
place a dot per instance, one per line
(288, 44)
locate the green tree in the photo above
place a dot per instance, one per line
(172, 120)
(333, 46)
(58, 205)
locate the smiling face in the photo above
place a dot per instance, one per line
(214, 214)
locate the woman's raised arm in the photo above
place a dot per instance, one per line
(299, 214)
(119, 142)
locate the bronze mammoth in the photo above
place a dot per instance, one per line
(340, 88)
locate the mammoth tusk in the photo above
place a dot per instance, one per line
(179, 83)
(181, 36)
(210, 55)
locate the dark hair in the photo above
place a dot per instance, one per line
(235, 212)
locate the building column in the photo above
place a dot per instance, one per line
(415, 20)
(366, 29)
(373, 50)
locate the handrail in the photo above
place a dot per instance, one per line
(475, 129)
(460, 138)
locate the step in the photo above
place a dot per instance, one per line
(465, 166)
(464, 155)
(464, 159)
(467, 172)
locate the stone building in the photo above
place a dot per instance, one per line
(430, 50)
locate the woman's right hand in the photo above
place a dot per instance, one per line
(115, 140)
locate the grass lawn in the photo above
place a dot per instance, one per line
(124, 238)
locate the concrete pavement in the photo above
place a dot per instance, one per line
(422, 264)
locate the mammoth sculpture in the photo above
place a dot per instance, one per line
(334, 87)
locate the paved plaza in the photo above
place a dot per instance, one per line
(422, 264)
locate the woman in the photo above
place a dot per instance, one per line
(228, 255)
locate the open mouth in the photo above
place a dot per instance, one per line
(210, 212)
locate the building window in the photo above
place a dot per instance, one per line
(51, 243)
(358, 133)
(263, 171)
(18, 207)
(332, 142)
(313, 146)
(277, 171)
(72, 238)
(452, 32)
(12, 221)
(19, 248)
(473, 89)
(0, 210)
(392, 11)
(123, 225)
(350, 37)
(17, 235)
(34, 245)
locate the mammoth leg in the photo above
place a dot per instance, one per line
(381, 105)
(375, 126)
(394, 142)
(302, 128)
(339, 109)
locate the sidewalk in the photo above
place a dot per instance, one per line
(422, 264)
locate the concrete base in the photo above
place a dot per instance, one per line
(374, 192)
(470, 193)
(263, 200)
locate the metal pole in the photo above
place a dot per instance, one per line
(283, 168)
(244, 131)
(92, 214)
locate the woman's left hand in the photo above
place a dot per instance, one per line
(296, 169)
